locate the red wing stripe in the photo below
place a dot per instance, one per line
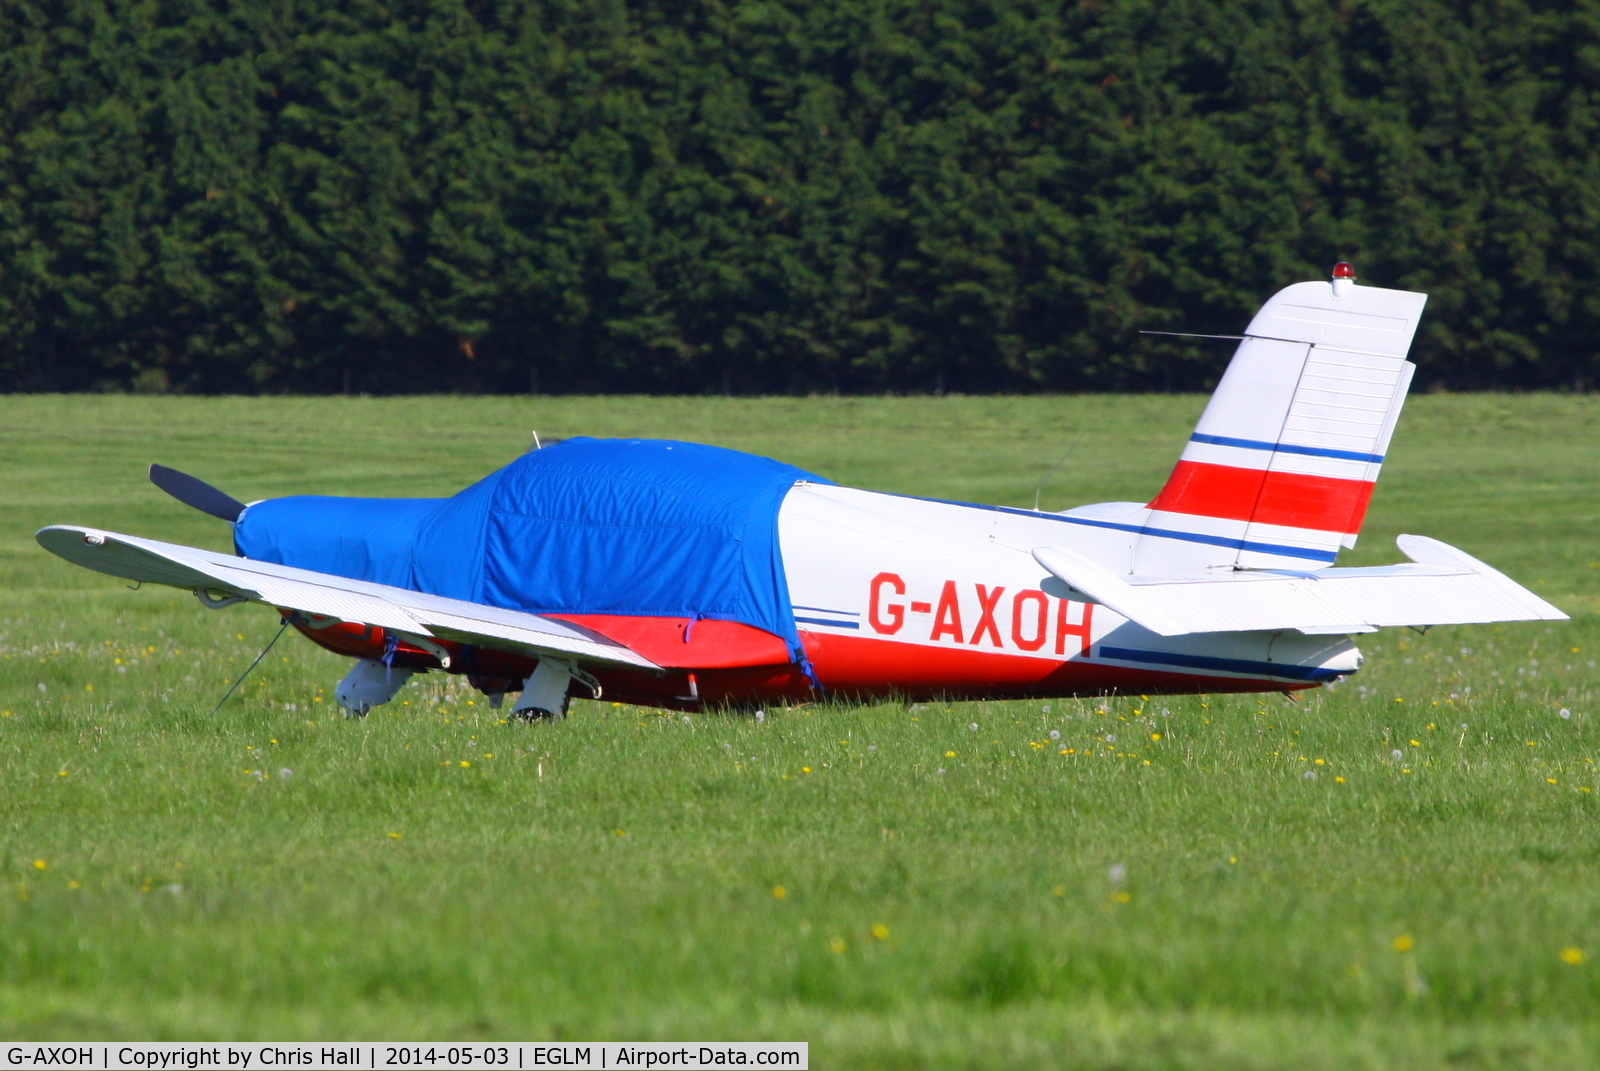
(1288, 499)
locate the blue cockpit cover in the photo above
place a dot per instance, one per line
(642, 527)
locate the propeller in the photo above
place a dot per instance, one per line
(197, 493)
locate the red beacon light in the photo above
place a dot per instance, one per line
(1344, 277)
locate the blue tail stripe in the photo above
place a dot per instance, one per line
(820, 621)
(1139, 529)
(1228, 665)
(1286, 448)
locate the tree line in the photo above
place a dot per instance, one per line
(774, 196)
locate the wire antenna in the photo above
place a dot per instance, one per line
(1037, 491)
(1191, 334)
(253, 665)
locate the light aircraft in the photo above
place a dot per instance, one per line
(685, 576)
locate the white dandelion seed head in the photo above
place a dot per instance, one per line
(939, 770)
(1046, 708)
(286, 773)
(973, 727)
(1117, 874)
(761, 716)
(1564, 713)
(1397, 754)
(872, 747)
(1055, 734)
(42, 687)
(1111, 738)
(1311, 775)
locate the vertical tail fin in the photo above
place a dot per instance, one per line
(1280, 468)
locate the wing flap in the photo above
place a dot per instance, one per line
(1440, 586)
(151, 561)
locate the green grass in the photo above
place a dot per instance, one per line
(615, 876)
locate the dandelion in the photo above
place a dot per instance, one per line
(1397, 754)
(1059, 890)
(1322, 762)
(1564, 714)
(780, 893)
(1416, 743)
(1403, 943)
(805, 769)
(285, 773)
(40, 864)
(1122, 897)
(949, 754)
(1155, 736)
(1055, 734)
(1111, 738)
(761, 717)
(1311, 775)
(73, 885)
(1550, 780)
(1338, 780)
(394, 836)
(1046, 708)
(620, 832)
(880, 931)
(464, 764)
(837, 946)
(1117, 874)
(1573, 957)
(973, 727)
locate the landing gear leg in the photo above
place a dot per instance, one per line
(544, 695)
(369, 684)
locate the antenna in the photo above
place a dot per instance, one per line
(1191, 334)
(1040, 489)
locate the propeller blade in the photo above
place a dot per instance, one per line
(197, 493)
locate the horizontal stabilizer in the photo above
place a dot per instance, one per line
(1440, 586)
(408, 613)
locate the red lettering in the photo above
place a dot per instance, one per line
(1020, 615)
(987, 601)
(896, 612)
(1083, 629)
(947, 619)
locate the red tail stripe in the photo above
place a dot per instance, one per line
(1282, 498)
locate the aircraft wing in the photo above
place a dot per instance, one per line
(1439, 586)
(413, 615)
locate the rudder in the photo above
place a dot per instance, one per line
(1281, 466)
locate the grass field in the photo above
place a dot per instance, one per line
(272, 871)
